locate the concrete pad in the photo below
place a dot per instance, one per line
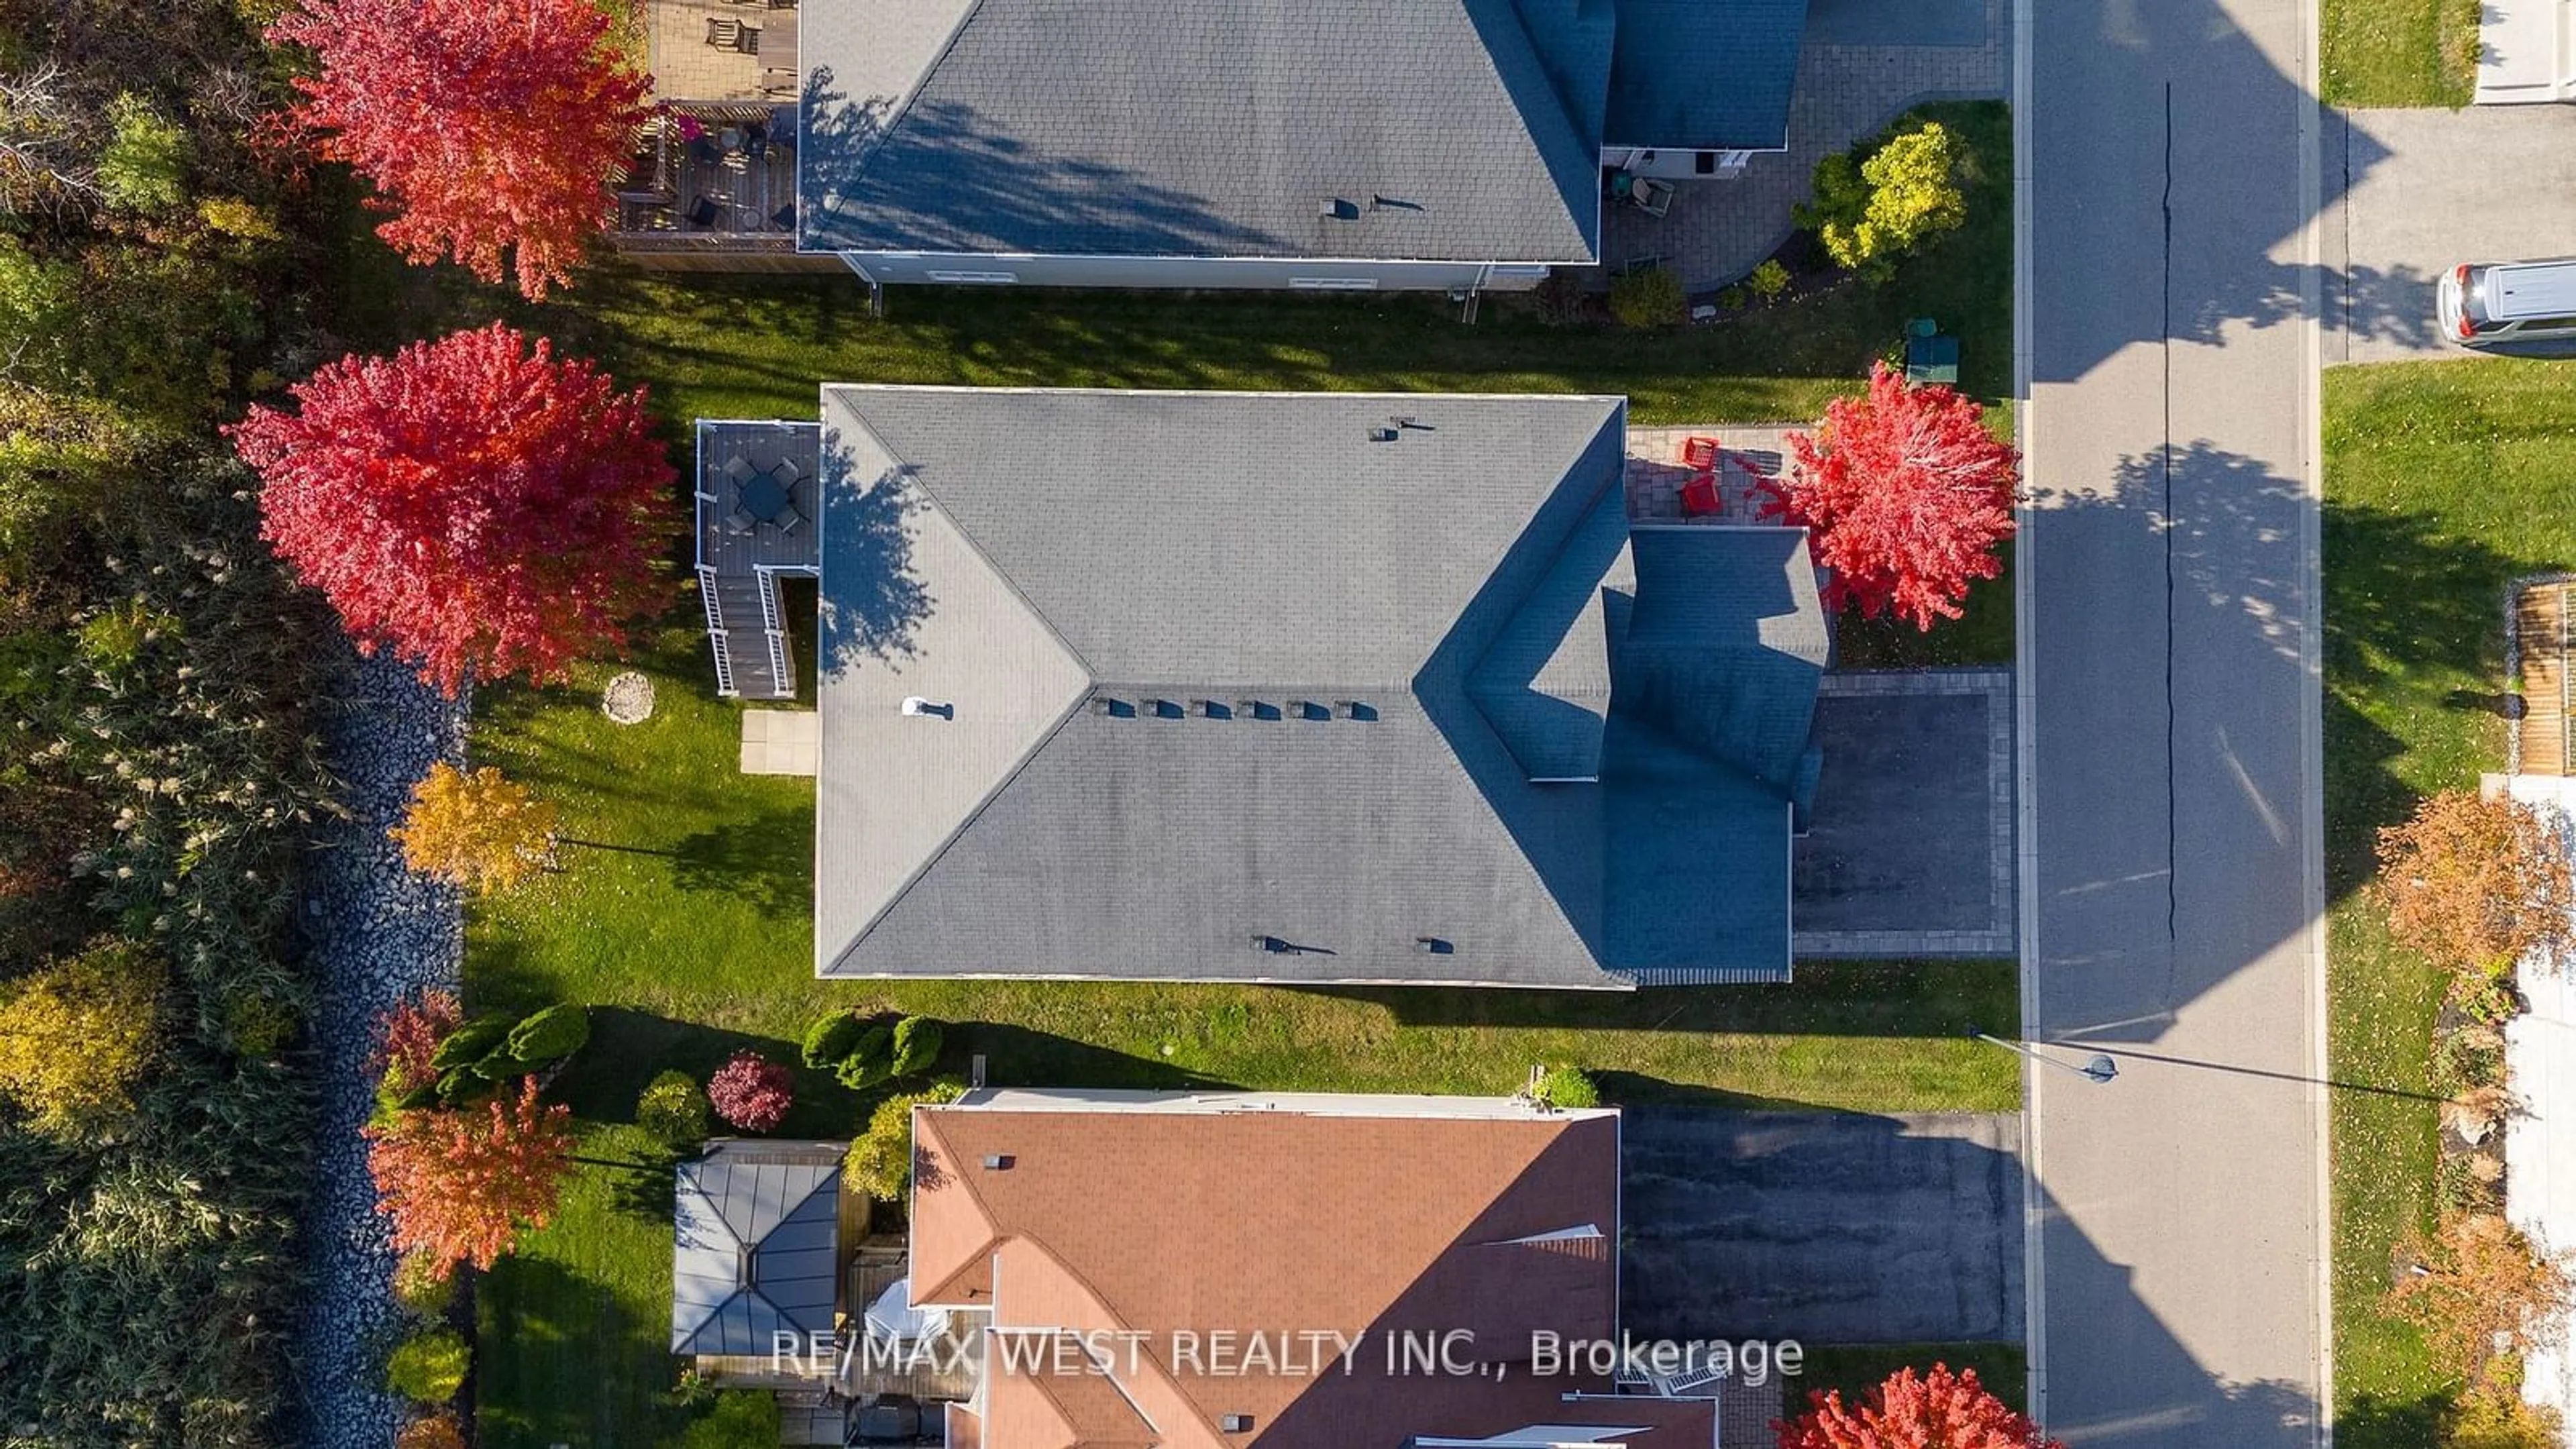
(1826, 1227)
(2430, 189)
(1909, 850)
(780, 741)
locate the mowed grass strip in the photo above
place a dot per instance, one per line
(2398, 52)
(2444, 482)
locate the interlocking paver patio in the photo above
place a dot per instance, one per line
(1717, 231)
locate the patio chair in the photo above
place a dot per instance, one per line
(1652, 197)
(1700, 497)
(1699, 453)
(739, 522)
(789, 519)
(705, 212)
(724, 33)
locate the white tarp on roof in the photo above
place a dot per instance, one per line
(2540, 1176)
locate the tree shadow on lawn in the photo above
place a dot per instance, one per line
(767, 860)
(2407, 608)
(579, 1368)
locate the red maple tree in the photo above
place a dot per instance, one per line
(471, 503)
(460, 1184)
(408, 1036)
(751, 1091)
(1939, 1410)
(1907, 495)
(487, 128)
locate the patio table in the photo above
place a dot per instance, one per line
(764, 498)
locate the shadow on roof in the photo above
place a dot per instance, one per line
(955, 184)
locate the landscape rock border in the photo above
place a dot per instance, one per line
(378, 934)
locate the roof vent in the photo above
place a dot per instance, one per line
(1168, 709)
(1114, 708)
(1257, 708)
(1235, 1423)
(1395, 203)
(1384, 435)
(997, 1162)
(1309, 709)
(1407, 422)
(1214, 709)
(1355, 709)
(915, 706)
(1339, 210)
(1434, 946)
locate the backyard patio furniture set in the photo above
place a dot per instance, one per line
(763, 498)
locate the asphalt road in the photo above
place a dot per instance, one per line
(2171, 874)
(2432, 189)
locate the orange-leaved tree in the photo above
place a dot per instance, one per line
(1938, 1410)
(488, 129)
(460, 1184)
(1906, 494)
(481, 831)
(2475, 882)
(2481, 1291)
(475, 504)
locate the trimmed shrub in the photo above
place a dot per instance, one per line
(1567, 1087)
(832, 1037)
(471, 1042)
(916, 1045)
(1647, 297)
(429, 1367)
(550, 1035)
(1769, 279)
(871, 1061)
(2463, 1061)
(422, 1285)
(673, 1109)
(741, 1419)
(879, 1163)
(752, 1092)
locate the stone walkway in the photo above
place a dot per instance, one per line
(1718, 231)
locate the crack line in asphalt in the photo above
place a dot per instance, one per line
(2173, 904)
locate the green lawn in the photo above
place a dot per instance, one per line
(2002, 1367)
(2398, 52)
(2443, 481)
(682, 910)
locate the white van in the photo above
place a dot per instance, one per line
(2526, 51)
(2481, 305)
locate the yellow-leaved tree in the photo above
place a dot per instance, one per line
(1870, 210)
(479, 831)
(76, 1035)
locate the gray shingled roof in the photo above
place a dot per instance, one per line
(1205, 128)
(755, 1251)
(1704, 74)
(1061, 571)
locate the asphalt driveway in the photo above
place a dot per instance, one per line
(1909, 848)
(1826, 1227)
(2431, 189)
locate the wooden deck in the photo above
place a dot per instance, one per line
(2543, 632)
(734, 185)
(739, 557)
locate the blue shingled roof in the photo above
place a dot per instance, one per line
(1704, 74)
